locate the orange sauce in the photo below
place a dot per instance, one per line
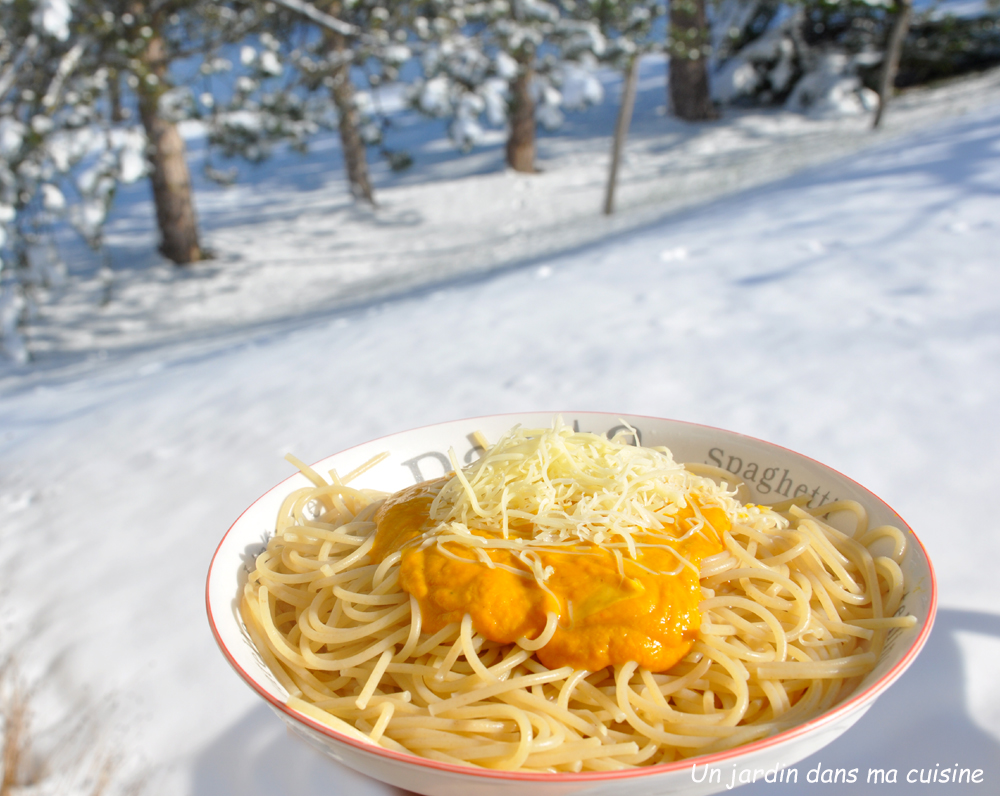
(605, 618)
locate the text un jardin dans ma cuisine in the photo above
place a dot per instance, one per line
(819, 774)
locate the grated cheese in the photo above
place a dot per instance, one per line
(556, 489)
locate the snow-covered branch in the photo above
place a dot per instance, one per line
(10, 73)
(66, 66)
(310, 11)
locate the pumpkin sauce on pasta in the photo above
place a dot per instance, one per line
(568, 603)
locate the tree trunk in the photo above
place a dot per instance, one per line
(621, 130)
(521, 139)
(348, 123)
(893, 51)
(688, 84)
(117, 113)
(353, 146)
(170, 178)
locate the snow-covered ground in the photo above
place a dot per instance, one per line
(290, 242)
(850, 311)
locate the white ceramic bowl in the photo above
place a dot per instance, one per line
(771, 472)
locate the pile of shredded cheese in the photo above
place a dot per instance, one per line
(557, 488)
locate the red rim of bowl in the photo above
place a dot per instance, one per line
(830, 716)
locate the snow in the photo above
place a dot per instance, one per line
(849, 310)
(53, 17)
(290, 241)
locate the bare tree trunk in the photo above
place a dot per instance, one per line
(355, 157)
(521, 139)
(170, 177)
(893, 51)
(621, 131)
(117, 113)
(688, 84)
(348, 123)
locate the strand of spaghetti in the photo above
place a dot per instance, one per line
(328, 719)
(420, 688)
(256, 633)
(540, 704)
(364, 468)
(568, 687)
(713, 565)
(893, 575)
(730, 601)
(469, 746)
(656, 706)
(840, 668)
(586, 750)
(860, 555)
(874, 594)
(336, 500)
(280, 645)
(593, 695)
(831, 559)
(494, 689)
(306, 470)
(368, 599)
(326, 662)
(885, 622)
(897, 536)
(384, 717)
(469, 650)
(414, 635)
(525, 732)
(272, 575)
(418, 724)
(800, 602)
(346, 706)
(285, 512)
(551, 625)
(364, 614)
(313, 628)
(373, 679)
(859, 511)
(444, 668)
(350, 533)
(737, 676)
(354, 556)
(686, 680)
(827, 539)
(626, 695)
(549, 733)
(388, 564)
(514, 658)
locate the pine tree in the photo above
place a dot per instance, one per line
(303, 77)
(47, 113)
(506, 59)
(689, 48)
(70, 75)
(138, 40)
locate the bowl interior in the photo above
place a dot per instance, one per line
(770, 472)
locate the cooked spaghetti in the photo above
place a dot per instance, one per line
(568, 603)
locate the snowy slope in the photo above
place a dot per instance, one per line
(850, 312)
(290, 242)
